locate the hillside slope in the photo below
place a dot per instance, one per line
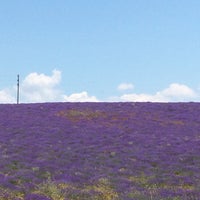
(102, 151)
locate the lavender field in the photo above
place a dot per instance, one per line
(100, 151)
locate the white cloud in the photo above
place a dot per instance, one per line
(125, 86)
(142, 97)
(175, 92)
(38, 80)
(179, 91)
(40, 87)
(6, 97)
(80, 97)
(43, 88)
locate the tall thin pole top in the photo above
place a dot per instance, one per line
(18, 89)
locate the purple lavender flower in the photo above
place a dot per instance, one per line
(36, 197)
(68, 148)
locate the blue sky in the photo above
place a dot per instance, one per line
(86, 50)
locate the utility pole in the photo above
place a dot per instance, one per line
(18, 89)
